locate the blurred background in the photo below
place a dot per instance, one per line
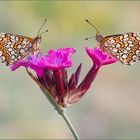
(109, 110)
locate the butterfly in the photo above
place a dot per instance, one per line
(125, 47)
(15, 47)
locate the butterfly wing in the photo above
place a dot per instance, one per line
(125, 47)
(14, 47)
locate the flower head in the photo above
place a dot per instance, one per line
(58, 59)
(51, 73)
(55, 59)
(32, 61)
(100, 58)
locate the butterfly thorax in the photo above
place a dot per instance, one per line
(36, 43)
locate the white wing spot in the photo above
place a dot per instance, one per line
(12, 52)
(115, 49)
(106, 43)
(130, 42)
(118, 56)
(5, 39)
(3, 58)
(26, 48)
(118, 45)
(112, 41)
(125, 51)
(13, 37)
(113, 46)
(128, 48)
(24, 41)
(137, 52)
(19, 57)
(124, 56)
(131, 45)
(19, 46)
(134, 57)
(12, 45)
(7, 46)
(8, 43)
(10, 49)
(16, 39)
(2, 35)
(13, 57)
(138, 37)
(22, 51)
(126, 36)
(136, 34)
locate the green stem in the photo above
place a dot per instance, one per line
(61, 111)
(68, 122)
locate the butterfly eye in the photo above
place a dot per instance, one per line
(99, 38)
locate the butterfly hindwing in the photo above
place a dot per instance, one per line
(14, 47)
(125, 47)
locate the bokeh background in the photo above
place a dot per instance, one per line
(109, 110)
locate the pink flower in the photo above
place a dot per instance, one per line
(99, 57)
(58, 59)
(55, 59)
(51, 73)
(32, 61)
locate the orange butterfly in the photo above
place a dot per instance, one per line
(124, 47)
(15, 47)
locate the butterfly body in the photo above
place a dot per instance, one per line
(14, 47)
(125, 47)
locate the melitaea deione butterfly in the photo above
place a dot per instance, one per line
(125, 47)
(15, 47)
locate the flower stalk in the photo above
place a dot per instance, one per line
(61, 111)
(68, 122)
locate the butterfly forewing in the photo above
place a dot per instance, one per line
(125, 47)
(14, 47)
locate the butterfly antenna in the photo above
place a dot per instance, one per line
(42, 32)
(87, 38)
(41, 28)
(92, 26)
